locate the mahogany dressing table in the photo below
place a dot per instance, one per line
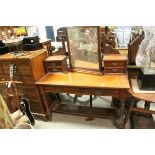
(85, 84)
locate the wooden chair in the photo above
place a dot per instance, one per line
(147, 97)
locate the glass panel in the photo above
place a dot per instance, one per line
(83, 43)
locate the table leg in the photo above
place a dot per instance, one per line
(134, 100)
(120, 121)
(45, 102)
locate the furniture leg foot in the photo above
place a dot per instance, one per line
(119, 124)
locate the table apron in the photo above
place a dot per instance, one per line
(83, 91)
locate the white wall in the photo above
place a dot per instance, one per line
(42, 32)
(37, 30)
(31, 30)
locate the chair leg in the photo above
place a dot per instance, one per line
(91, 101)
(147, 105)
(134, 100)
(75, 99)
(131, 120)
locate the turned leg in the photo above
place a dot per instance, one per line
(45, 103)
(147, 106)
(120, 121)
(134, 100)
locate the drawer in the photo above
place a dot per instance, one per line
(114, 63)
(22, 68)
(114, 70)
(53, 64)
(84, 91)
(28, 92)
(55, 70)
(27, 80)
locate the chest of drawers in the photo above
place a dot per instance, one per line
(29, 69)
(114, 64)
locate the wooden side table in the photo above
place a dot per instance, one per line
(147, 97)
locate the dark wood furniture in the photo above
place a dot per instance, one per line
(147, 97)
(106, 47)
(133, 47)
(85, 84)
(61, 37)
(114, 64)
(56, 63)
(29, 68)
(46, 43)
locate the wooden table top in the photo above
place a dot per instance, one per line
(85, 80)
(114, 57)
(55, 58)
(26, 55)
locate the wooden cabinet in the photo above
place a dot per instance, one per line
(29, 69)
(115, 63)
(56, 63)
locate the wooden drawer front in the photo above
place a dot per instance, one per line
(114, 63)
(22, 68)
(114, 70)
(55, 70)
(83, 91)
(27, 80)
(36, 107)
(53, 64)
(28, 92)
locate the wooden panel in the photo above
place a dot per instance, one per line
(53, 64)
(35, 106)
(85, 111)
(85, 91)
(38, 65)
(114, 63)
(22, 67)
(114, 70)
(29, 92)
